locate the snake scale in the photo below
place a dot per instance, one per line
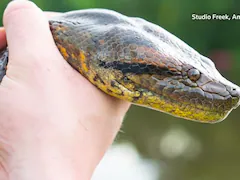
(137, 61)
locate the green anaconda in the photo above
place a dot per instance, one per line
(137, 61)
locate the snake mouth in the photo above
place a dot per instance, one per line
(191, 109)
(235, 93)
(210, 107)
(227, 93)
(209, 103)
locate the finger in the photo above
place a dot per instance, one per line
(28, 34)
(3, 41)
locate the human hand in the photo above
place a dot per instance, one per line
(54, 124)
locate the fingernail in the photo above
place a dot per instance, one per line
(2, 29)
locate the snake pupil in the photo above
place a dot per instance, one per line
(193, 74)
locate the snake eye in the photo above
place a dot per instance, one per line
(194, 74)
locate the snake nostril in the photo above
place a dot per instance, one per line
(235, 92)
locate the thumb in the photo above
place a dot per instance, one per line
(29, 39)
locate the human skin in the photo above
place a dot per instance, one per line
(54, 124)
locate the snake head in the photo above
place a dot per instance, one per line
(135, 60)
(183, 82)
(192, 91)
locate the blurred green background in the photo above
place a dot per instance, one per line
(185, 150)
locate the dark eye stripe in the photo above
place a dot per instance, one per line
(138, 68)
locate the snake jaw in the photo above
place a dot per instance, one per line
(180, 100)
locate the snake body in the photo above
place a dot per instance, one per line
(135, 60)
